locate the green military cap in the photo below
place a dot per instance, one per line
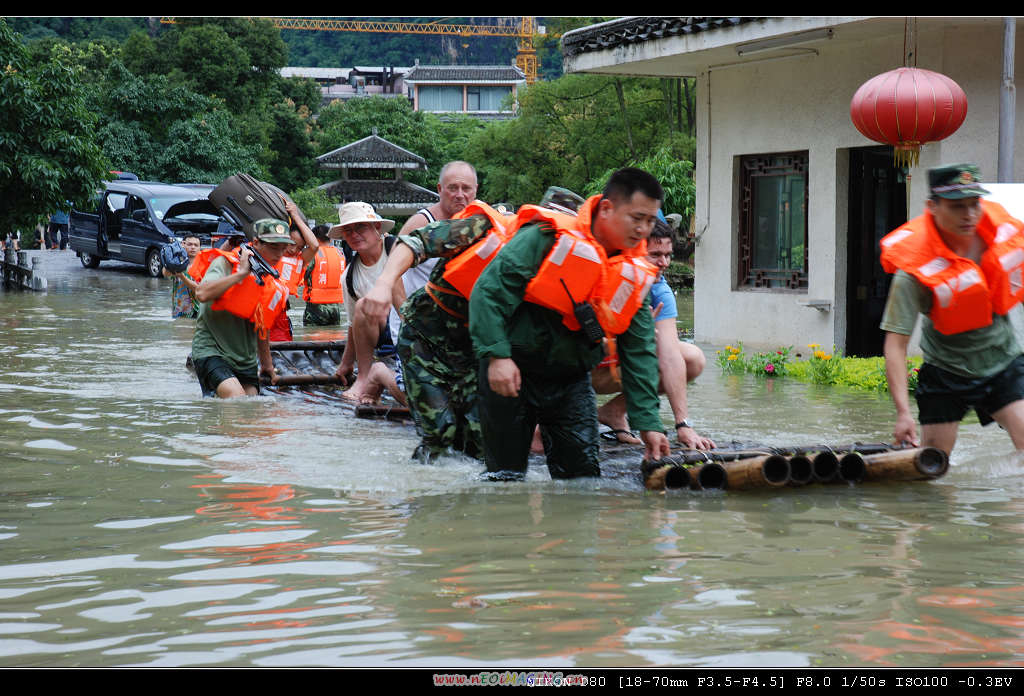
(955, 181)
(272, 231)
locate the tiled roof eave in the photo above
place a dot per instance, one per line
(367, 164)
(633, 30)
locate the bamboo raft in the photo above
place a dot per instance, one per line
(308, 367)
(780, 467)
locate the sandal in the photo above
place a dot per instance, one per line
(616, 434)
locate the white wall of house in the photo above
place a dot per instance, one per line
(802, 103)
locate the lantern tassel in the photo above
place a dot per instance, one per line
(906, 155)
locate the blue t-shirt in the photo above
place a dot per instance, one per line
(662, 294)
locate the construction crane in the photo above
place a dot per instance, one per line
(524, 30)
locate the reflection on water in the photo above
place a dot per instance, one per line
(143, 525)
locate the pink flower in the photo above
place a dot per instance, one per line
(769, 368)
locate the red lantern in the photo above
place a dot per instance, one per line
(908, 107)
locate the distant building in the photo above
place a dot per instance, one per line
(372, 171)
(474, 90)
(350, 83)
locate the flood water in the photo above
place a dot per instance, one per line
(141, 525)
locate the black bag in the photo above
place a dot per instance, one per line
(244, 200)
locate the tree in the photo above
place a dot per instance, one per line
(302, 91)
(48, 148)
(569, 131)
(673, 173)
(204, 149)
(316, 204)
(168, 132)
(294, 162)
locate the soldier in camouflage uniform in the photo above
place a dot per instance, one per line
(439, 369)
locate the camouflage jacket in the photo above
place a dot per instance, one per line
(444, 240)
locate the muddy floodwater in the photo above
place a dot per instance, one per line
(141, 525)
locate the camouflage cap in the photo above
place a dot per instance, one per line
(272, 231)
(955, 181)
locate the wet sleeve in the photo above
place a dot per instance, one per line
(639, 361)
(500, 289)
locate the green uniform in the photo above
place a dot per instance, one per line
(438, 366)
(314, 314)
(978, 353)
(321, 314)
(221, 333)
(554, 364)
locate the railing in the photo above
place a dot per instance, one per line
(18, 273)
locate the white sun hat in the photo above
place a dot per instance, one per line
(357, 211)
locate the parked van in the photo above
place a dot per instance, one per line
(131, 220)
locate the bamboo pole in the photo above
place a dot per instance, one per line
(667, 476)
(826, 467)
(922, 463)
(708, 477)
(801, 470)
(760, 472)
(852, 468)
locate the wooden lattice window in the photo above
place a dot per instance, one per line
(773, 221)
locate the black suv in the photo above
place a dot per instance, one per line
(133, 219)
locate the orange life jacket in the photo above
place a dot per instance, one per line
(463, 270)
(260, 304)
(327, 270)
(965, 294)
(290, 268)
(201, 263)
(577, 269)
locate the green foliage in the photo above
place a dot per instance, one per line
(48, 149)
(316, 204)
(78, 28)
(674, 174)
(204, 149)
(167, 132)
(89, 59)
(302, 92)
(293, 162)
(573, 131)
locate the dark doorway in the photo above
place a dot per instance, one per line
(878, 205)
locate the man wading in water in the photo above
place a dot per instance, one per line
(960, 264)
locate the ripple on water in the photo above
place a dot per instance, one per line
(50, 445)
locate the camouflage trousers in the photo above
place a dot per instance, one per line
(441, 385)
(321, 314)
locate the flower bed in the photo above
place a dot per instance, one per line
(819, 368)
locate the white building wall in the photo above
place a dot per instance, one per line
(802, 103)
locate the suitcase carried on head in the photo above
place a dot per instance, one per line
(244, 200)
(288, 198)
